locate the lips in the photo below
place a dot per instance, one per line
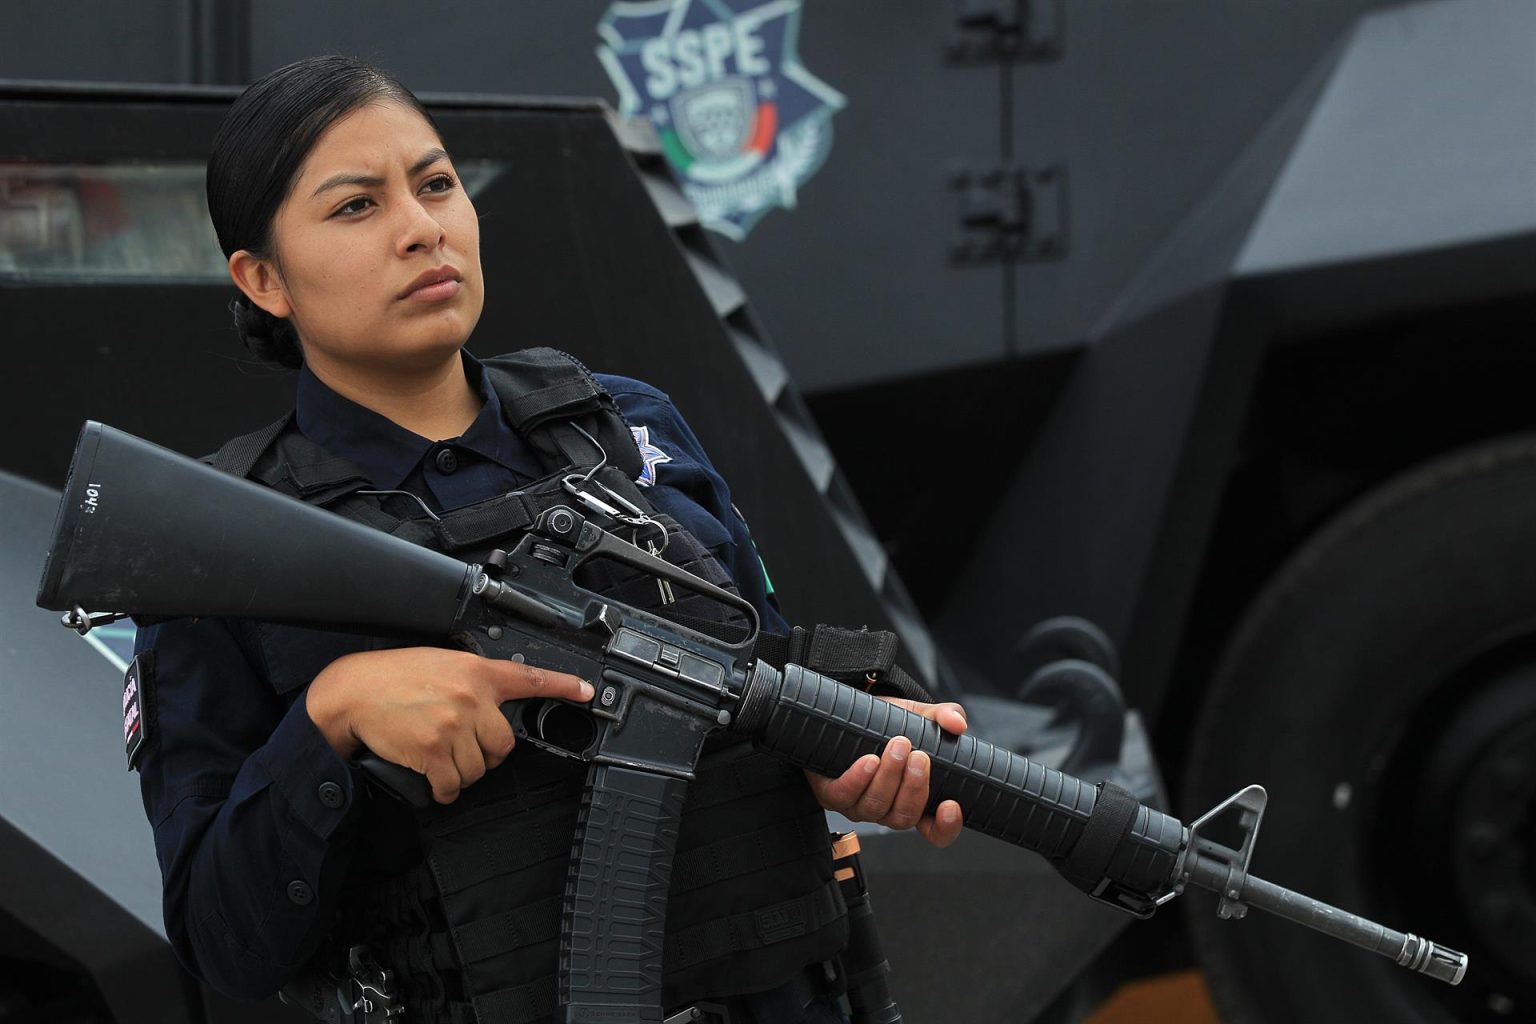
(440, 283)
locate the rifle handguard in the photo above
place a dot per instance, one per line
(821, 724)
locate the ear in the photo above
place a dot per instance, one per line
(258, 279)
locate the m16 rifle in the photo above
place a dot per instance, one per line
(227, 547)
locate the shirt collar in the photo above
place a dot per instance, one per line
(387, 452)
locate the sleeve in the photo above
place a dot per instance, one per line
(252, 810)
(686, 485)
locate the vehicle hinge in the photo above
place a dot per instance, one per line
(1007, 30)
(1010, 213)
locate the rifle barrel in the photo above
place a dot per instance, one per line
(1404, 948)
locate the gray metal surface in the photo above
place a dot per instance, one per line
(1148, 109)
(75, 849)
(1109, 508)
(1425, 138)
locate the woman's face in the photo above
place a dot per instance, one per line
(377, 247)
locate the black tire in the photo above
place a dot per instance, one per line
(1408, 617)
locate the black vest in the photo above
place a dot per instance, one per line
(464, 902)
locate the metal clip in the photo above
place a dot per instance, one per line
(368, 990)
(82, 621)
(622, 509)
(662, 586)
(701, 1013)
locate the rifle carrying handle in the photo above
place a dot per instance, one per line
(824, 725)
(616, 895)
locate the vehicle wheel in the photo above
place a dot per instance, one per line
(1382, 687)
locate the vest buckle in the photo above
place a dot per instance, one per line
(701, 1013)
(370, 990)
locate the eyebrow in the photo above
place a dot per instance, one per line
(429, 158)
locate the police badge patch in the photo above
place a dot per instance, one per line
(650, 456)
(741, 121)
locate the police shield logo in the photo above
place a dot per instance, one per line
(715, 120)
(743, 123)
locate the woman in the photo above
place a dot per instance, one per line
(356, 255)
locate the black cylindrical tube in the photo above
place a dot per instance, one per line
(824, 725)
(866, 971)
(1403, 948)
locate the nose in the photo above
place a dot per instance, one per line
(420, 230)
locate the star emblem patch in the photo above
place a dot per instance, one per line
(650, 455)
(740, 119)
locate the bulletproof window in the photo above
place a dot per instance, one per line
(128, 222)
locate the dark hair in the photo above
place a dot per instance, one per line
(256, 156)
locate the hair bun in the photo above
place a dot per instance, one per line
(268, 338)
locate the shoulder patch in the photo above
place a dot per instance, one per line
(138, 707)
(650, 455)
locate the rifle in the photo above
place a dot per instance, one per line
(228, 547)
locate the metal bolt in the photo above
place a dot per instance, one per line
(518, 657)
(494, 632)
(610, 696)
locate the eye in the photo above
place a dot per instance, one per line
(440, 183)
(353, 207)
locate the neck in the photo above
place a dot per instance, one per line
(435, 402)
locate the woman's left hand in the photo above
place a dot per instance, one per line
(892, 789)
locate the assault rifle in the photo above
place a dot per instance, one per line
(147, 532)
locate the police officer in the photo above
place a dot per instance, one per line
(355, 250)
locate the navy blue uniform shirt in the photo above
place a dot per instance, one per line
(254, 814)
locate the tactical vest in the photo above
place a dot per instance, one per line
(463, 902)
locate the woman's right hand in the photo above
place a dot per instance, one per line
(432, 710)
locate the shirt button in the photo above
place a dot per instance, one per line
(332, 795)
(446, 461)
(300, 892)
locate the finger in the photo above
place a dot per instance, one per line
(882, 789)
(443, 774)
(912, 798)
(948, 716)
(843, 792)
(514, 680)
(943, 826)
(468, 758)
(951, 718)
(494, 735)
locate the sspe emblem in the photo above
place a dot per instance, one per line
(740, 119)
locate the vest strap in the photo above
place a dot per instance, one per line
(751, 774)
(539, 384)
(458, 866)
(482, 521)
(509, 932)
(239, 454)
(749, 852)
(544, 391)
(754, 929)
(535, 1001)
